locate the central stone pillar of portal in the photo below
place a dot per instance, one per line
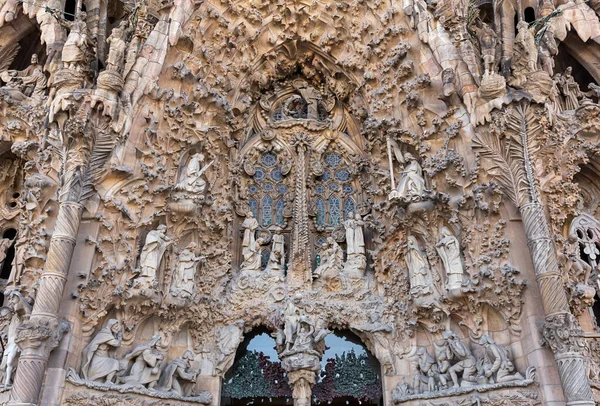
(301, 368)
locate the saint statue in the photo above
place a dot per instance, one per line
(525, 55)
(228, 340)
(465, 362)
(99, 363)
(28, 85)
(411, 185)
(156, 244)
(355, 241)
(147, 361)
(74, 52)
(21, 309)
(291, 319)
(277, 255)
(448, 249)
(178, 375)
(331, 264)
(184, 278)
(487, 42)
(418, 268)
(252, 257)
(570, 90)
(250, 225)
(117, 48)
(191, 180)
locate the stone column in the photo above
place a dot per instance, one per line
(561, 330)
(43, 331)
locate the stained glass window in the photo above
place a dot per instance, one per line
(333, 190)
(266, 190)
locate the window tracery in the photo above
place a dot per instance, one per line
(334, 192)
(266, 191)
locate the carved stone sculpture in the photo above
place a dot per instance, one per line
(277, 256)
(418, 268)
(465, 361)
(427, 371)
(330, 266)
(547, 50)
(21, 310)
(184, 280)
(117, 49)
(487, 41)
(147, 362)
(252, 256)
(525, 55)
(28, 86)
(151, 257)
(448, 248)
(75, 50)
(5, 244)
(497, 367)
(355, 241)
(291, 319)
(228, 340)
(99, 362)
(178, 375)
(250, 225)
(570, 90)
(192, 179)
(411, 186)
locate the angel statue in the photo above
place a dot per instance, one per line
(191, 180)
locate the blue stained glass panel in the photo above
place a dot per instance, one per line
(320, 211)
(253, 206)
(335, 212)
(253, 189)
(259, 175)
(343, 175)
(348, 189)
(326, 176)
(281, 189)
(320, 189)
(276, 175)
(334, 187)
(320, 241)
(333, 160)
(268, 160)
(279, 211)
(268, 187)
(348, 207)
(267, 211)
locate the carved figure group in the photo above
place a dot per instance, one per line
(28, 85)
(184, 279)
(331, 264)
(455, 364)
(143, 366)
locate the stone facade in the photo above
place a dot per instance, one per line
(175, 175)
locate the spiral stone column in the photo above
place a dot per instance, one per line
(43, 331)
(561, 330)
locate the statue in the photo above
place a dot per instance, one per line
(547, 50)
(29, 85)
(426, 372)
(525, 56)
(330, 265)
(228, 340)
(253, 257)
(156, 244)
(178, 376)
(487, 41)
(466, 362)
(304, 335)
(250, 225)
(277, 256)
(448, 249)
(291, 319)
(98, 362)
(191, 180)
(355, 242)
(117, 48)
(75, 50)
(184, 278)
(411, 186)
(570, 90)
(418, 268)
(21, 309)
(497, 367)
(147, 362)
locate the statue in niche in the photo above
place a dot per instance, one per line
(250, 225)
(418, 268)
(75, 50)
(448, 249)
(310, 96)
(488, 40)
(228, 340)
(497, 367)
(191, 180)
(570, 90)
(154, 248)
(252, 256)
(465, 361)
(525, 56)
(117, 48)
(98, 362)
(547, 50)
(411, 186)
(20, 309)
(355, 242)
(147, 363)
(29, 85)
(331, 264)
(178, 375)
(277, 257)
(427, 370)
(185, 273)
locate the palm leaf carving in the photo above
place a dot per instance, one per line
(509, 161)
(7, 55)
(101, 152)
